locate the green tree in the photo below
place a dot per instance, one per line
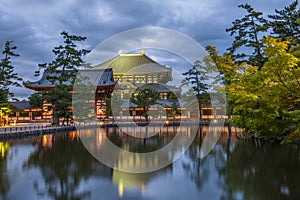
(195, 79)
(113, 100)
(228, 72)
(174, 105)
(266, 100)
(7, 75)
(7, 78)
(36, 99)
(248, 32)
(5, 110)
(69, 59)
(144, 99)
(285, 23)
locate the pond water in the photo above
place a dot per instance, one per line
(60, 167)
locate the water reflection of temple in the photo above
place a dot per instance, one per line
(96, 140)
(52, 143)
(135, 180)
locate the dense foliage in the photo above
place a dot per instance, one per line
(195, 80)
(7, 78)
(63, 70)
(144, 99)
(264, 89)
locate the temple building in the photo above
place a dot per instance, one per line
(105, 86)
(130, 72)
(24, 112)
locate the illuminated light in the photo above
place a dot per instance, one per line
(45, 140)
(215, 121)
(101, 124)
(167, 122)
(2, 151)
(121, 188)
(101, 111)
(143, 188)
(3, 148)
(72, 135)
(100, 139)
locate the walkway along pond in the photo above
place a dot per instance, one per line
(14, 132)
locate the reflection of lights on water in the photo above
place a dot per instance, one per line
(121, 188)
(100, 139)
(73, 135)
(143, 188)
(86, 133)
(3, 148)
(47, 141)
(125, 180)
(136, 161)
(126, 147)
(101, 123)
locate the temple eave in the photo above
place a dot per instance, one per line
(39, 88)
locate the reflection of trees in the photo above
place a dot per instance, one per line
(4, 179)
(142, 145)
(63, 167)
(197, 169)
(270, 171)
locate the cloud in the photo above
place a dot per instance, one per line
(35, 25)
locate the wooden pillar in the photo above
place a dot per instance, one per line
(95, 103)
(30, 114)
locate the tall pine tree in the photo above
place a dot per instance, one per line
(63, 70)
(248, 33)
(7, 78)
(7, 75)
(285, 23)
(195, 79)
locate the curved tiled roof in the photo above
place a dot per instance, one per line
(99, 77)
(103, 77)
(42, 84)
(124, 63)
(20, 104)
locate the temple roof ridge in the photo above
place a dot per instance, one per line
(125, 62)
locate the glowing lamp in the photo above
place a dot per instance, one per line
(101, 124)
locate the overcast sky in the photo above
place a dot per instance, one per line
(35, 25)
